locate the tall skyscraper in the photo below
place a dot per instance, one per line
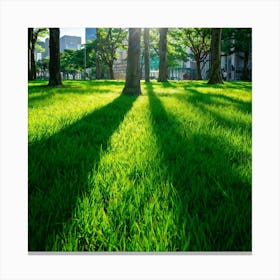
(70, 42)
(90, 34)
(66, 42)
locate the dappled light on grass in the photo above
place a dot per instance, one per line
(58, 167)
(206, 170)
(131, 204)
(60, 107)
(167, 171)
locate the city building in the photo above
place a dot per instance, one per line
(119, 66)
(47, 48)
(90, 34)
(66, 42)
(70, 43)
(233, 65)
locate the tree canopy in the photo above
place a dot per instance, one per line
(171, 47)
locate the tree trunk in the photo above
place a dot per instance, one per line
(215, 70)
(54, 66)
(98, 61)
(245, 75)
(147, 54)
(141, 68)
(132, 80)
(111, 72)
(98, 69)
(33, 64)
(30, 35)
(32, 38)
(162, 76)
(198, 70)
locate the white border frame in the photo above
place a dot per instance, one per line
(17, 16)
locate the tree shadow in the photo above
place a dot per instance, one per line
(235, 85)
(35, 89)
(58, 169)
(167, 84)
(207, 184)
(79, 89)
(218, 99)
(37, 94)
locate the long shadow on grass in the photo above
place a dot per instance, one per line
(79, 89)
(58, 168)
(37, 94)
(234, 85)
(210, 98)
(167, 84)
(215, 201)
(204, 102)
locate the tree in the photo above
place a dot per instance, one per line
(132, 80)
(198, 40)
(33, 34)
(244, 38)
(98, 59)
(43, 66)
(108, 41)
(239, 41)
(162, 76)
(176, 47)
(31, 59)
(89, 59)
(147, 54)
(215, 68)
(54, 66)
(71, 61)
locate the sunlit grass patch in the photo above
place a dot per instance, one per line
(167, 171)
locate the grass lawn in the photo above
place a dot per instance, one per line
(170, 170)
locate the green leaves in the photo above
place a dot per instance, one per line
(197, 39)
(108, 41)
(236, 40)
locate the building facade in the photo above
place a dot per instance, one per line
(70, 43)
(232, 65)
(66, 42)
(90, 34)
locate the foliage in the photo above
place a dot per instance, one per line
(33, 34)
(42, 67)
(236, 40)
(107, 42)
(90, 49)
(72, 60)
(196, 39)
(43, 64)
(177, 47)
(154, 42)
(41, 33)
(176, 52)
(168, 171)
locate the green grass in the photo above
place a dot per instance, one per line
(170, 170)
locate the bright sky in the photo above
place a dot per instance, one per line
(80, 32)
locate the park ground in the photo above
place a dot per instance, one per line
(170, 170)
